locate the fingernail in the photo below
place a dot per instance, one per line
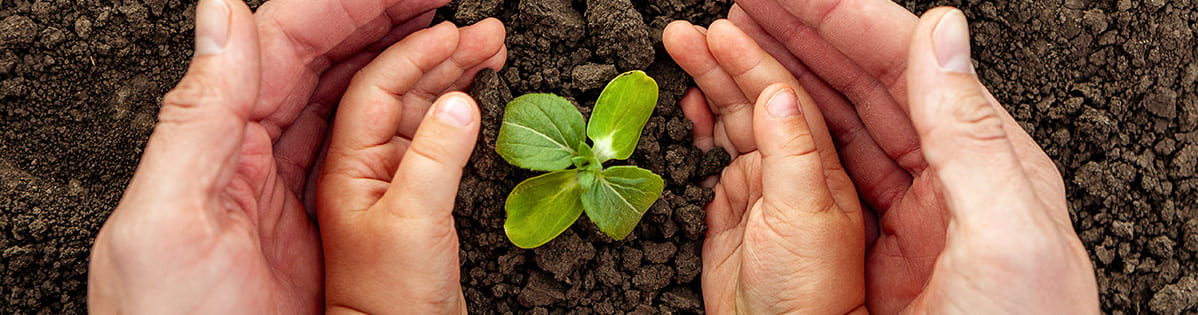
(454, 110)
(212, 26)
(950, 41)
(702, 30)
(783, 104)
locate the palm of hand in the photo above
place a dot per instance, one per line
(747, 259)
(247, 244)
(272, 233)
(911, 236)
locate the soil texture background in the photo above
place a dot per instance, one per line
(1107, 88)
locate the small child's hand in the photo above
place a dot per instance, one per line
(386, 192)
(785, 230)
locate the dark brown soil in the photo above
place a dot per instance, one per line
(572, 48)
(1106, 87)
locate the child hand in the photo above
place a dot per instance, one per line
(785, 230)
(386, 192)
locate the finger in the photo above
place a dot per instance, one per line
(871, 33)
(203, 119)
(792, 169)
(383, 256)
(305, 38)
(335, 29)
(694, 107)
(494, 63)
(722, 140)
(962, 132)
(427, 180)
(476, 44)
(879, 179)
(688, 46)
(403, 30)
(798, 218)
(363, 148)
(374, 101)
(881, 108)
(753, 71)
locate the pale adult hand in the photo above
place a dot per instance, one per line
(212, 221)
(785, 231)
(386, 192)
(971, 212)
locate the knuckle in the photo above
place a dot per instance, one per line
(191, 92)
(800, 144)
(181, 103)
(729, 108)
(432, 151)
(976, 118)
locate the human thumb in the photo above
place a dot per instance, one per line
(426, 182)
(961, 127)
(203, 119)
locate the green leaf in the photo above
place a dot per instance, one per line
(542, 207)
(540, 132)
(619, 197)
(591, 163)
(587, 178)
(620, 113)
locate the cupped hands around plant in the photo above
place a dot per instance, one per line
(213, 219)
(544, 132)
(785, 231)
(971, 212)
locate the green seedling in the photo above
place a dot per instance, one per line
(544, 132)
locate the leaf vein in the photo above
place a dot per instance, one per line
(543, 135)
(613, 190)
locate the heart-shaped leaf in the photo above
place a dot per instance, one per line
(540, 132)
(620, 113)
(542, 207)
(619, 197)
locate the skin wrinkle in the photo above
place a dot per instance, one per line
(738, 73)
(324, 101)
(271, 227)
(365, 163)
(823, 17)
(736, 251)
(308, 55)
(379, 79)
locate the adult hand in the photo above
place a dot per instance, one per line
(785, 231)
(971, 211)
(212, 221)
(386, 192)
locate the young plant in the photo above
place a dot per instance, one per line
(544, 132)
